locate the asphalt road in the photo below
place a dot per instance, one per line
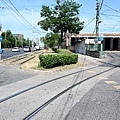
(11, 74)
(96, 99)
(9, 53)
(102, 102)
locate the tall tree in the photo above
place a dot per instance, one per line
(61, 18)
(51, 40)
(8, 39)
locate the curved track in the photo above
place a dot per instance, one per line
(112, 66)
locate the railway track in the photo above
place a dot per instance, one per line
(21, 59)
(44, 85)
(32, 114)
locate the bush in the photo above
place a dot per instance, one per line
(55, 50)
(61, 51)
(53, 60)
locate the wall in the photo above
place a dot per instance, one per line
(80, 47)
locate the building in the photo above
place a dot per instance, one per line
(19, 36)
(78, 42)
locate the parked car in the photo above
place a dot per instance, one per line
(34, 49)
(27, 49)
(37, 47)
(15, 49)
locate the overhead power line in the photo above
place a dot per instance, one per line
(8, 7)
(20, 15)
(88, 23)
(112, 8)
(15, 10)
(111, 15)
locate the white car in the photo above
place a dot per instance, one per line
(15, 49)
(27, 49)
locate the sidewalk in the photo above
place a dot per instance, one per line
(84, 59)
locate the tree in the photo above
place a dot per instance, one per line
(8, 39)
(61, 18)
(51, 39)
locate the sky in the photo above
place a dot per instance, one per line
(30, 10)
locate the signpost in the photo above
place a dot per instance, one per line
(101, 46)
(0, 47)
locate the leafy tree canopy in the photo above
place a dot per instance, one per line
(61, 18)
(51, 40)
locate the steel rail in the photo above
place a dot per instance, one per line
(61, 93)
(52, 80)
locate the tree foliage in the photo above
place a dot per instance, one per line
(10, 41)
(61, 18)
(51, 40)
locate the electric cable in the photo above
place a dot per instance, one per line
(20, 15)
(111, 8)
(8, 7)
(33, 27)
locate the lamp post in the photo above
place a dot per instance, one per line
(32, 49)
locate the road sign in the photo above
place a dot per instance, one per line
(1, 51)
(0, 38)
(101, 37)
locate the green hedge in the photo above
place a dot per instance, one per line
(61, 51)
(53, 60)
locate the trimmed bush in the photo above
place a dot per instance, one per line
(53, 60)
(61, 51)
(56, 50)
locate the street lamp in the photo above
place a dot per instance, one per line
(32, 32)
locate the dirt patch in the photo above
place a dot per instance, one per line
(32, 65)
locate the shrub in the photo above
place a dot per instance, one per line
(55, 50)
(53, 60)
(61, 51)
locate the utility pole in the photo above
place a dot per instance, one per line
(32, 49)
(97, 28)
(0, 41)
(32, 33)
(97, 20)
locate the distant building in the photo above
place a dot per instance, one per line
(19, 36)
(37, 42)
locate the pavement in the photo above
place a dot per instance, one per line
(101, 100)
(85, 60)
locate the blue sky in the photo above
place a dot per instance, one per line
(109, 14)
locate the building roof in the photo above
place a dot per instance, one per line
(94, 35)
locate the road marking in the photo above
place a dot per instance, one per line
(102, 77)
(117, 87)
(110, 82)
(90, 71)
